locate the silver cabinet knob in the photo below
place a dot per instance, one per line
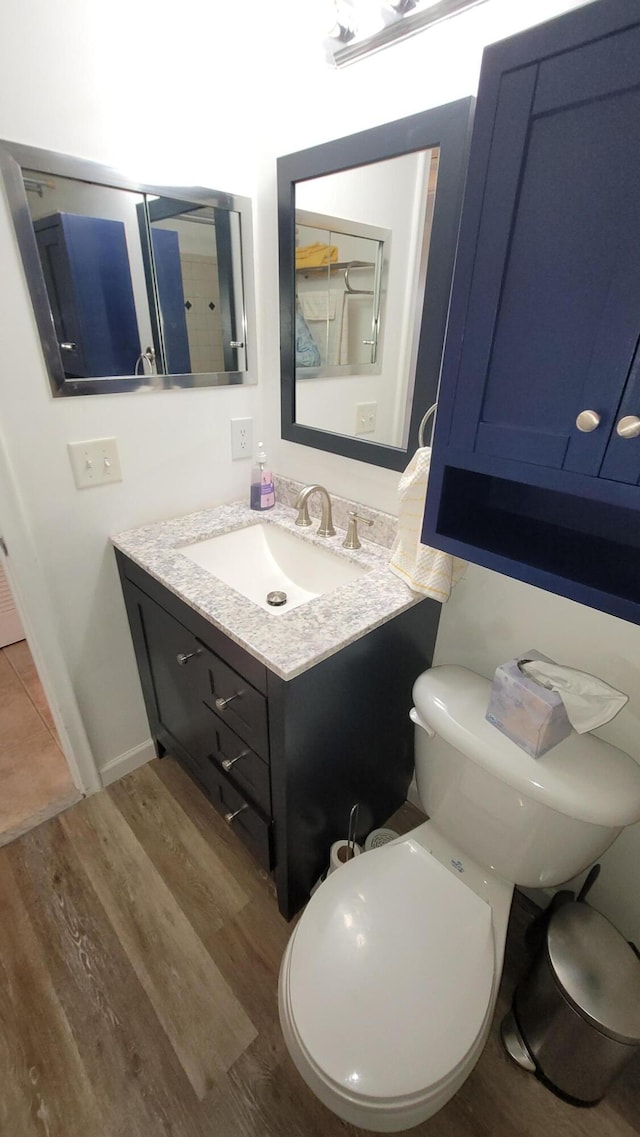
(183, 657)
(229, 762)
(222, 703)
(588, 421)
(628, 427)
(230, 816)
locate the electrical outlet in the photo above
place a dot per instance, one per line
(95, 462)
(241, 438)
(366, 418)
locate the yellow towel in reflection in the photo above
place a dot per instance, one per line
(424, 569)
(311, 256)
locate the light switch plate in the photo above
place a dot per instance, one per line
(366, 418)
(95, 462)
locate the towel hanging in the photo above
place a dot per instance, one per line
(422, 568)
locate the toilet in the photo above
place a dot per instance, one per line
(389, 981)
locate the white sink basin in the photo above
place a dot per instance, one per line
(265, 558)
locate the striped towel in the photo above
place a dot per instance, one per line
(424, 569)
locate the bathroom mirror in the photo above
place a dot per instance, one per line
(134, 287)
(361, 344)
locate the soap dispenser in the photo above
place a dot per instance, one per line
(262, 490)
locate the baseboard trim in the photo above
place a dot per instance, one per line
(126, 763)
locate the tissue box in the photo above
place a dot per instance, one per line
(530, 715)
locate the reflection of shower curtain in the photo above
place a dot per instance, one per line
(329, 309)
(307, 351)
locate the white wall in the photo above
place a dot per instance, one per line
(212, 99)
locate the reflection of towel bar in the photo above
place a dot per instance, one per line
(346, 267)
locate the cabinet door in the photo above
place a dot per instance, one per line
(86, 268)
(553, 315)
(175, 661)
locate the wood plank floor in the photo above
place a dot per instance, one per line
(139, 955)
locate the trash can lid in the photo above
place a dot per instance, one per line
(597, 970)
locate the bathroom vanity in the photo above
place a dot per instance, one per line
(283, 719)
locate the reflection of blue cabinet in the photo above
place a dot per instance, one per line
(545, 318)
(86, 270)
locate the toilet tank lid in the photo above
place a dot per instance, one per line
(583, 776)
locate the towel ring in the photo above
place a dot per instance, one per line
(425, 419)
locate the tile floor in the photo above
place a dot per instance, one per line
(35, 783)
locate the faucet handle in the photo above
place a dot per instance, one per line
(352, 541)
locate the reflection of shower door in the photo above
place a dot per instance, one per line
(10, 626)
(166, 257)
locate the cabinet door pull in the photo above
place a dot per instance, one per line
(222, 703)
(229, 762)
(588, 421)
(183, 658)
(628, 427)
(230, 816)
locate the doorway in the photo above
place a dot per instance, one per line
(35, 780)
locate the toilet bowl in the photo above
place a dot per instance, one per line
(388, 984)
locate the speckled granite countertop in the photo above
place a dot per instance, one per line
(287, 643)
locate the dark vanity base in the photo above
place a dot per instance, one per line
(310, 747)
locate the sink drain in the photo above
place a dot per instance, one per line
(276, 599)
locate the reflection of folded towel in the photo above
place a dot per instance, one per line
(319, 305)
(310, 256)
(424, 569)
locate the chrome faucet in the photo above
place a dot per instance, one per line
(325, 528)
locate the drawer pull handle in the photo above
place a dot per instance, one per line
(183, 657)
(588, 421)
(222, 703)
(229, 762)
(229, 817)
(628, 427)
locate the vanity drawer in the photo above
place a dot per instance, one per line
(247, 823)
(249, 773)
(237, 703)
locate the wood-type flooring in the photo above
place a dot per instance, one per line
(139, 955)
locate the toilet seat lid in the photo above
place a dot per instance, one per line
(391, 973)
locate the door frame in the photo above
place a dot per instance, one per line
(33, 602)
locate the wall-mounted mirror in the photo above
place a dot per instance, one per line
(367, 237)
(134, 287)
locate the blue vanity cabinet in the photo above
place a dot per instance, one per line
(86, 268)
(545, 318)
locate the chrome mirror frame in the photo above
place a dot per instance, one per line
(14, 157)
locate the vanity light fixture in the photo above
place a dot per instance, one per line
(393, 21)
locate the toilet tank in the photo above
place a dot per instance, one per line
(536, 822)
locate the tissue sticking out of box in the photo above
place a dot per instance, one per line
(588, 701)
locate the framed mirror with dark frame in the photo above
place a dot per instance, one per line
(404, 179)
(134, 287)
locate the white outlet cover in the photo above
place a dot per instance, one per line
(95, 462)
(241, 438)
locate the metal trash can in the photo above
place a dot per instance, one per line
(576, 1015)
